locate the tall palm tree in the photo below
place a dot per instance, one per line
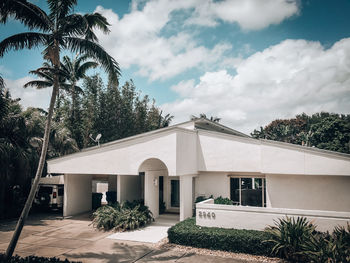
(74, 70)
(59, 29)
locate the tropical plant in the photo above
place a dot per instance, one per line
(127, 216)
(57, 30)
(289, 237)
(104, 217)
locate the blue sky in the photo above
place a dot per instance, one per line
(246, 61)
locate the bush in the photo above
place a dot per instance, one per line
(324, 247)
(223, 201)
(289, 236)
(187, 233)
(128, 216)
(32, 259)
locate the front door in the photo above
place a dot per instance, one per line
(175, 193)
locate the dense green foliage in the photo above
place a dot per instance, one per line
(289, 236)
(187, 233)
(33, 259)
(127, 216)
(298, 241)
(115, 112)
(223, 201)
(323, 130)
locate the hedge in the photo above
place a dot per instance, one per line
(187, 233)
(33, 259)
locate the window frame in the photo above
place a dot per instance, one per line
(263, 196)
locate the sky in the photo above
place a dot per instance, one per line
(247, 62)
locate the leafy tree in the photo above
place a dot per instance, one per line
(204, 116)
(323, 130)
(57, 30)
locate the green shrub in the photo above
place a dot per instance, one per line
(289, 237)
(105, 216)
(223, 201)
(127, 216)
(33, 259)
(187, 233)
(324, 247)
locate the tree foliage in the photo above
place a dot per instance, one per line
(323, 130)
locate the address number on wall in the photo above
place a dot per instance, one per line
(206, 214)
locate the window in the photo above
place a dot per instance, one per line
(248, 191)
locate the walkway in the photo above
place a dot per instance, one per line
(153, 233)
(77, 240)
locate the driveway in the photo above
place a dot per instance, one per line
(76, 239)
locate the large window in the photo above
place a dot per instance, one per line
(248, 191)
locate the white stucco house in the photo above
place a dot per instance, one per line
(174, 165)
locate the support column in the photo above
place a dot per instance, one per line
(186, 203)
(77, 194)
(152, 191)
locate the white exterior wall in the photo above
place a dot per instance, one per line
(216, 184)
(152, 191)
(120, 158)
(129, 187)
(186, 204)
(280, 158)
(221, 152)
(77, 194)
(308, 192)
(257, 218)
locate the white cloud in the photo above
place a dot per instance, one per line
(142, 37)
(289, 78)
(249, 14)
(30, 97)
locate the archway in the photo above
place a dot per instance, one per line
(159, 190)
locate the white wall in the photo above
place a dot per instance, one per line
(186, 153)
(257, 218)
(77, 194)
(129, 187)
(152, 191)
(330, 193)
(216, 184)
(221, 152)
(186, 197)
(124, 157)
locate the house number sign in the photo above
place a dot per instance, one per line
(206, 214)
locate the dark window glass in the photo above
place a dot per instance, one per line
(235, 190)
(60, 191)
(175, 193)
(45, 189)
(248, 191)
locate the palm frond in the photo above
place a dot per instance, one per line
(97, 52)
(29, 14)
(85, 67)
(95, 20)
(39, 84)
(22, 40)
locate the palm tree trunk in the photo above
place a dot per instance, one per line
(39, 171)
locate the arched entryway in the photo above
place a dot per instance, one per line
(161, 192)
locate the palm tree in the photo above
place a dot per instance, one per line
(59, 29)
(75, 70)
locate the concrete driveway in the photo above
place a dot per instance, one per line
(76, 239)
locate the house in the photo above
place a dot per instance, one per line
(174, 165)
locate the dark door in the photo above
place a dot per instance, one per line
(175, 193)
